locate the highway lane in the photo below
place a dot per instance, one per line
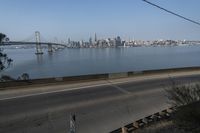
(98, 109)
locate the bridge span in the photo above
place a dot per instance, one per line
(37, 42)
(30, 43)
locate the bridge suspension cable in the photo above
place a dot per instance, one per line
(29, 38)
(43, 39)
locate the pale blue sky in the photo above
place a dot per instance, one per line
(80, 19)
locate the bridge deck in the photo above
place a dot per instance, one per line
(30, 43)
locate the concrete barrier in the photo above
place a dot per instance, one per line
(59, 79)
(117, 75)
(72, 79)
(135, 73)
(171, 70)
(93, 77)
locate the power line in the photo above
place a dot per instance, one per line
(180, 16)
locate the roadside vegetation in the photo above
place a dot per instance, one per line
(186, 98)
(4, 60)
(186, 119)
(162, 127)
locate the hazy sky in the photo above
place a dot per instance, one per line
(80, 19)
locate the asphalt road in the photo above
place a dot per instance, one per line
(98, 109)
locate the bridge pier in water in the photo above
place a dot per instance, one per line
(38, 44)
(50, 48)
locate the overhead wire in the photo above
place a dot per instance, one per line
(173, 13)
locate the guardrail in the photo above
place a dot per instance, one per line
(94, 77)
(146, 121)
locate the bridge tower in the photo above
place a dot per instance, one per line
(38, 44)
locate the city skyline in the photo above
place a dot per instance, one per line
(80, 20)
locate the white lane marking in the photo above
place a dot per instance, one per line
(118, 88)
(50, 92)
(63, 90)
(89, 86)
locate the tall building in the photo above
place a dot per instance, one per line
(118, 41)
(69, 41)
(95, 37)
(90, 41)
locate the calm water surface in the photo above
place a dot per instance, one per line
(69, 62)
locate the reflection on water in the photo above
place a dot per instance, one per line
(50, 55)
(70, 62)
(39, 58)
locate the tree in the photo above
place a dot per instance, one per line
(2, 37)
(4, 60)
(25, 76)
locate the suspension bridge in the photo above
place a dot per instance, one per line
(37, 42)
